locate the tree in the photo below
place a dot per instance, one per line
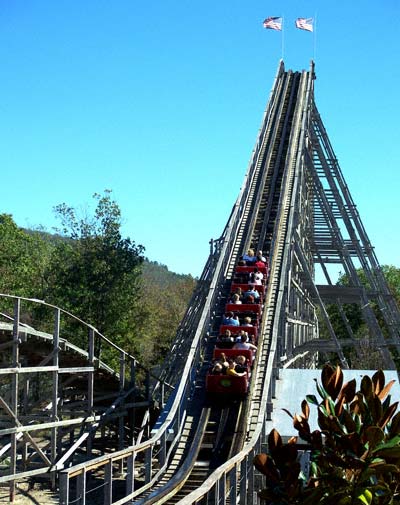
(23, 260)
(392, 276)
(165, 298)
(90, 270)
(353, 313)
(95, 272)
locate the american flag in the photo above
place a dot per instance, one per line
(305, 24)
(274, 23)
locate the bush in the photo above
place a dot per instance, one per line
(355, 455)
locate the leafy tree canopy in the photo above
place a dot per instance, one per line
(96, 273)
(89, 269)
(23, 259)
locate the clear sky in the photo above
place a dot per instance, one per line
(161, 102)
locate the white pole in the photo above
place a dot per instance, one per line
(315, 37)
(283, 28)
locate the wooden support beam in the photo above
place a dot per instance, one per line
(13, 411)
(51, 368)
(108, 483)
(6, 345)
(54, 406)
(81, 488)
(130, 474)
(19, 425)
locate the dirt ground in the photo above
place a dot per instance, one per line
(23, 496)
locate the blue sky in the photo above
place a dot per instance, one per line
(161, 102)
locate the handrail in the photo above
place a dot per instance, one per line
(84, 323)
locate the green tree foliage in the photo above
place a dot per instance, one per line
(392, 276)
(90, 270)
(165, 296)
(94, 272)
(352, 312)
(355, 453)
(23, 260)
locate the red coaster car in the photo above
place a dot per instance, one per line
(243, 307)
(251, 330)
(227, 384)
(248, 269)
(232, 353)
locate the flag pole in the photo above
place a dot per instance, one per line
(315, 36)
(283, 38)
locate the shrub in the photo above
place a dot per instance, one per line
(355, 453)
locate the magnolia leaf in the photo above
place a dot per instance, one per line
(284, 456)
(331, 407)
(366, 386)
(265, 464)
(348, 391)
(321, 391)
(375, 408)
(357, 406)
(327, 406)
(393, 442)
(387, 415)
(348, 421)
(298, 418)
(312, 399)
(334, 425)
(378, 380)
(326, 373)
(323, 418)
(382, 394)
(339, 407)
(386, 402)
(274, 439)
(291, 474)
(303, 428)
(394, 428)
(357, 422)
(260, 460)
(288, 413)
(391, 452)
(313, 495)
(352, 442)
(335, 383)
(316, 439)
(374, 435)
(314, 469)
(305, 409)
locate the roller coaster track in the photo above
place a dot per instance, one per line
(199, 450)
(195, 445)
